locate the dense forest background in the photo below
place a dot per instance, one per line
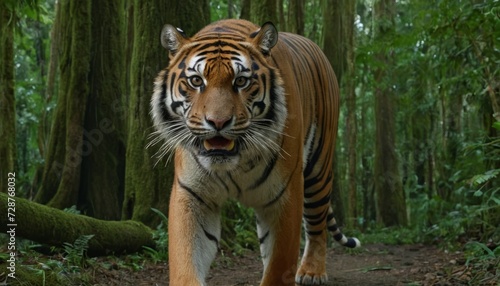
(419, 138)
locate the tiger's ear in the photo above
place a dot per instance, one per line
(266, 37)
(172, 38)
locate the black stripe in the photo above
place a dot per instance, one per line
(266, 173)
(165, 115)
(315, 180)
(276, 198)
(317, 220)
(311, 233)
(330, 216)
(182, 92)
(255, 66)
(262, 239)
(218, 44)
(261, 105)
(312, 216)
(171, 85)
(323, 201)
(226, 188)
(176, 104)
(351, 243)
(195, 195)
(338, 236)
(308, 183)
(333, 228)
(211, 236)
(182, 64)
(273, 98)
(218, 51)
(238, 189)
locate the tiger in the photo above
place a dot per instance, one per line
(248, 114)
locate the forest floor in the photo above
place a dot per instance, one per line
(375, 264)
(371, 265)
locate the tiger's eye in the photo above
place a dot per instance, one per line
(241, 81)
(195, 81)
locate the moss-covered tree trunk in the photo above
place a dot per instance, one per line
(262, 11)
(54, 227)
(246, 6)
(148, 181)
(102, 174)
(7, 100)
(85, 159)
(295, 20)
(388, 185)
(61, 176)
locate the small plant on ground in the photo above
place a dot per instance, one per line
(160, 236)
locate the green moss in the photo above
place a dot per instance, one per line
(54, 227)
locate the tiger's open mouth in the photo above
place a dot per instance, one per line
(219, 146)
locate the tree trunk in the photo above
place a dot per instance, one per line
(295, 23)
(366, 156)
(453, 138)
(332, 36)
(246, 9)
(338, 45)
(388, 185)
(54, 227)
(61, 179)
(331, 51)
(85, 158)
(262, 11)
(7, 100)
(349, 87)
(148, 181)
(102, 173)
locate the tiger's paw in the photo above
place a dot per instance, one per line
(308, 276)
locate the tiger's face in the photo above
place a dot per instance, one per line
(219, 98)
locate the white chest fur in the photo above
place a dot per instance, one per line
(255, 186)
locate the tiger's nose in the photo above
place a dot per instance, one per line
(218, 123)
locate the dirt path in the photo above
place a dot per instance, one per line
(376, 264)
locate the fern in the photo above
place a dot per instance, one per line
(481, 179)
(72, 210)
(76, 252)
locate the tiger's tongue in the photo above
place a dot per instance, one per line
(218, 143)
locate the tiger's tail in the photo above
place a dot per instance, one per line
(339, 237)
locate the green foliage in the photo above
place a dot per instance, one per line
(72, 210)
(223, 9)
(67, 266)
(483, 262)
(390, 235)
(160, 236)
(76, 253)
(31, 43)
(238, 228)
(444, 66)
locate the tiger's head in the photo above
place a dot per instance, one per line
(220, 98)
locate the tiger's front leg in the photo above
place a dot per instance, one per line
(194, 234)
(278, 227)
